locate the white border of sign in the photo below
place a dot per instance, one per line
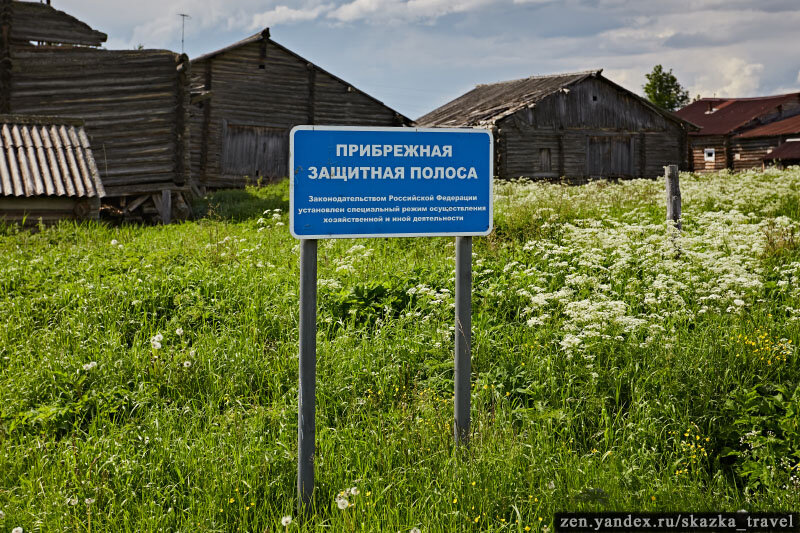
(399, 130)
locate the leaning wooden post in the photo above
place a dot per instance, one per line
(673, 196)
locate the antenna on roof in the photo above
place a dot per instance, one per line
(183, 16)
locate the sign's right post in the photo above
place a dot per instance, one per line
(463, 355)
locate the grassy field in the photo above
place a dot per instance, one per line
(148, 375)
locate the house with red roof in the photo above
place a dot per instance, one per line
(740, 133)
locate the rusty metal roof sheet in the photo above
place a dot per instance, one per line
(42, 156)
(730, 114)
(787, 126)
(788, 150)
(488, 103)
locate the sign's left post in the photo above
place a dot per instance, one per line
(306, 403)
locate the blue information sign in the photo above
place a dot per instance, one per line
(390, 182)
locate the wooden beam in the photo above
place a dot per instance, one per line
(166, 206)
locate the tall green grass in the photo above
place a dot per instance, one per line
(148, 375)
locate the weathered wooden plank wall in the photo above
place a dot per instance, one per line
(134, 104)
(591, 129)
(751, 152)
(34, 21)
(262, 88)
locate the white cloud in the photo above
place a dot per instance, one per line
(410, 10)
(798, 76)
(286, 15)
(732, 77)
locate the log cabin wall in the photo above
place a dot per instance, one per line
(259, 91)
(590, 130)
(698, 145)
(134, 104)
(751, 153)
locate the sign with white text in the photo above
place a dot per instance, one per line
(390, 182)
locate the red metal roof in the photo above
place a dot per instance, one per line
(788, 150)
(730, 113)
(787, 126)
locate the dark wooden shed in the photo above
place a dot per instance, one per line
(134, 103)
(250, 94)
(724, 140)
(577, 126)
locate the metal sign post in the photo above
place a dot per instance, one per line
(385, 182)
(463, 356)
(306, 403)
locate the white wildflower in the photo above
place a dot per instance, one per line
(114, 242)
(187, 364)
(280, 224)
(89, 501)
(155, 344)
(415, 530)
(354, 491)
(286, 520)
(738, 302)
(73, 501)
(90, 365)
(16, 530)
(159, 337)
(179, 332)
(342, 502)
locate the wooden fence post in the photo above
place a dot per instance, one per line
(673, 196)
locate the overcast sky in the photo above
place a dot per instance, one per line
(416, 55)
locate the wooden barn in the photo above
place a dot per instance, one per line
(576, 126)
(134, 103)
(250, 94)
(47, 171)
(726, 139)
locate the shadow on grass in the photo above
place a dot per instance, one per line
(242, 204)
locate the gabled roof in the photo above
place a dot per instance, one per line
(788, 150)
(486, 104)
(42, 156)
(34, 21)
(787, 126)
(265, 36)
(721, 116)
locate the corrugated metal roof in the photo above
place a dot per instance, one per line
(788, 150)
(786, 126)
(730, 113)
(490, 102)
(46, 157)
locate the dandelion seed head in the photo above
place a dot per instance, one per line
(286, 520)
(187, 364)
(179, 332)
(90, 365)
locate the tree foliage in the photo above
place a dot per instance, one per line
(662, 88)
